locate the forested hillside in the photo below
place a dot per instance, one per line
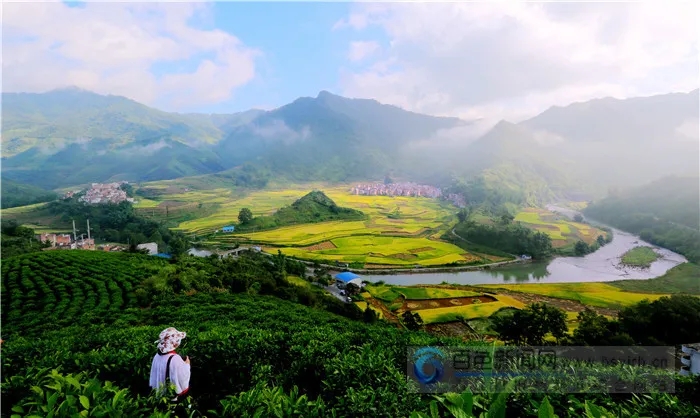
(664, 212)
(311, 208)
(17, 194)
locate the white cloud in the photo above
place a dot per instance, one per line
(514, 59)
(112, 48)
(359, 50)
(145, 150)
(277, 130)
(689, 129)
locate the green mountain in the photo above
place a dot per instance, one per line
(664, 212)
(313, 207)
(70, 136)
(19, 194)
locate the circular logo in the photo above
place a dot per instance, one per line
(427, 365)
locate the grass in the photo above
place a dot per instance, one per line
(593, 294)
(684, 278)
(640, 257)
(560, 229)
(298, 281)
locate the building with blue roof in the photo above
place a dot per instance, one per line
(346, 277)
(227, 229)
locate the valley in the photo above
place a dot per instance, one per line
(349, 210)
(470, 260)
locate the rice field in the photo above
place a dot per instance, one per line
(477, 310)
(391, 293)
(561, 230)
(593, 294)
(363, 305)
(405, 240)
(374, 249)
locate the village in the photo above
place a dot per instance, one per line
(103, 193)
(407, 189)
(396, 189)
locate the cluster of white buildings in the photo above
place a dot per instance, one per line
(396, 189)
(407, 189)
(105, 193)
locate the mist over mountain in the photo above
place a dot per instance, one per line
(67, 137)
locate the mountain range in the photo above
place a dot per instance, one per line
(70, 136)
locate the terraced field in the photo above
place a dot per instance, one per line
(562, 230)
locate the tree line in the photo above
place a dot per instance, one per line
(670, 320)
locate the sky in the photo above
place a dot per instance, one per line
(489, 60)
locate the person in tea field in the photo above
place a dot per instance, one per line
(168, 366)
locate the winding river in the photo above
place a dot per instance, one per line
(600, 266)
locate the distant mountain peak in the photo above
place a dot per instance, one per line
(326, 94)
(72, 89)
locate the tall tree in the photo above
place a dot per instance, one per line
(245, 216)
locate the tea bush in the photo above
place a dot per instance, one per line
(252, 354)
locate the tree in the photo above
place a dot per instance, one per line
(531, 324)
(412, 320)
(507, 218)
(369, 315)
(578, 217)
(601, 240)
(581, 248)
(178, 247)
(597, 330)
(464, 214)
(245, 216)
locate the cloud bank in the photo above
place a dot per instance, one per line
(123, 49)
(512, 59)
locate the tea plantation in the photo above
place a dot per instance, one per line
(79, 331)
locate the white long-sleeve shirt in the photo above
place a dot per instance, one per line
(179, 372)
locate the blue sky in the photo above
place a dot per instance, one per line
(486, 60)
(301, 53)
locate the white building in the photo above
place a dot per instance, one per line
(690, 360)
(152, 247)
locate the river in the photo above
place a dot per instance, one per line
(600, 266)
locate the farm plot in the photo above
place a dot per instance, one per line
(594, 294)
(561, 230)
(415, 214)
(384, 250)
(390, 293)
(472, 311)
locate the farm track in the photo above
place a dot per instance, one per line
(390, 316)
